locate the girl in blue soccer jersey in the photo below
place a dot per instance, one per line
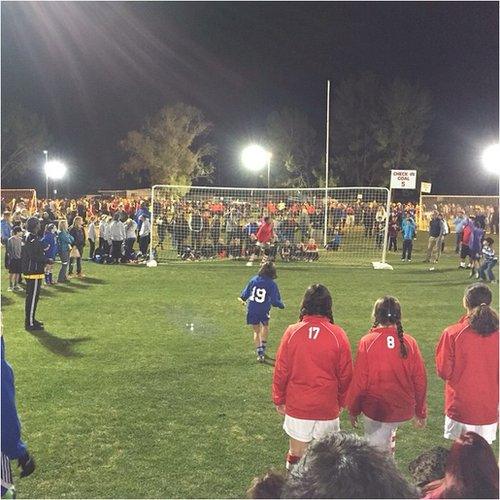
(261, 293)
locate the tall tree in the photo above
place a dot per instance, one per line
(24, 137)
(376, 127)
(405, 117)
(294, 146)
(170, 148)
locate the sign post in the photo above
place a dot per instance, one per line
(400, 179)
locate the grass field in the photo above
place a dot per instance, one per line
(119, 399)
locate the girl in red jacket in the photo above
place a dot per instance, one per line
(467, 360)
(389, 384)
(312, 373)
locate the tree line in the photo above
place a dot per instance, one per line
(376, 126)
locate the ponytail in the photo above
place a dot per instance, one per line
(402, 345)
(484, 320)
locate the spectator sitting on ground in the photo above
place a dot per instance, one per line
(471, 471)
(343, 465)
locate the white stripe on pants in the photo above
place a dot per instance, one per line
(33, 302)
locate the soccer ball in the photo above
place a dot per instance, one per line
(152, 263)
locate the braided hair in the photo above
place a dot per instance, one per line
(317, 301)
(387, 311)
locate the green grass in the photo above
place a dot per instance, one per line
(119, 399)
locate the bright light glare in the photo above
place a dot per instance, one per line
(491, 159)
(255, 157)
(55, 169)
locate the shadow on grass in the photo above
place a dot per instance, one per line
(6, 301)
(64, 289)
(94, 281)
(59, 346)
(75, 284)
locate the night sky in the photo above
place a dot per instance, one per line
(94, 70)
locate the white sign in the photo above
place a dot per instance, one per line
(425, 187)
(403, 179)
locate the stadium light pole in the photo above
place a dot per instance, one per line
(491, 159)
(46, 153)
(54, 169)
(255, 158)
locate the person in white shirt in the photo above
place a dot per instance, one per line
(117, 237)
(144, 235)
(91, 236)
(103, 235)
(130, 237)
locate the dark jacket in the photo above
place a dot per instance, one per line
(32, 256)
(79, 237)
(435, 228)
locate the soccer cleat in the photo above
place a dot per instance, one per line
(33, 328)
(261, 358)
(18, 288)
(10, 289)
(249, 263)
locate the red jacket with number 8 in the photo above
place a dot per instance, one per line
(387, 387)
(313, 369)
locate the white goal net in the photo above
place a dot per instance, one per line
(349, 225)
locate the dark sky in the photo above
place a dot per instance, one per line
(94, 70)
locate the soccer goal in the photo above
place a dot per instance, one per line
(18, 199)
(451, 205)
(346, 225)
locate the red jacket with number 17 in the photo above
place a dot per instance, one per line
(313, 369)
(387, 387)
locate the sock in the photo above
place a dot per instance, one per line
(47, 278)
(263, 344)
(50, 279)
(12, 284)
(259, 351)
(291, 460)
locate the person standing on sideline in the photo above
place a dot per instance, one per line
(64, 243)
(144, 235)
(467, 360)
(408, 228)
(117, 236)
(78, 233)
(459, 221)
(467, 231)
(49, 242)
(130, 237)
(6, 228)
(393, 234)
(436, 231)
(13, 257)
(33, 267)
(389, 385)
(312, 373)
(13, 447)
(91, 237)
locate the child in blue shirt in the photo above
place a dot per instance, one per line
(261, 293)
(49, 242)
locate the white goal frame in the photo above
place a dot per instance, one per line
(326, 195)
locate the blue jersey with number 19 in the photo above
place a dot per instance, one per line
(260, 294)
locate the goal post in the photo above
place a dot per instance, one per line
(346, 226)
(13, 199)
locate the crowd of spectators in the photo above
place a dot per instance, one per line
(120, 230)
